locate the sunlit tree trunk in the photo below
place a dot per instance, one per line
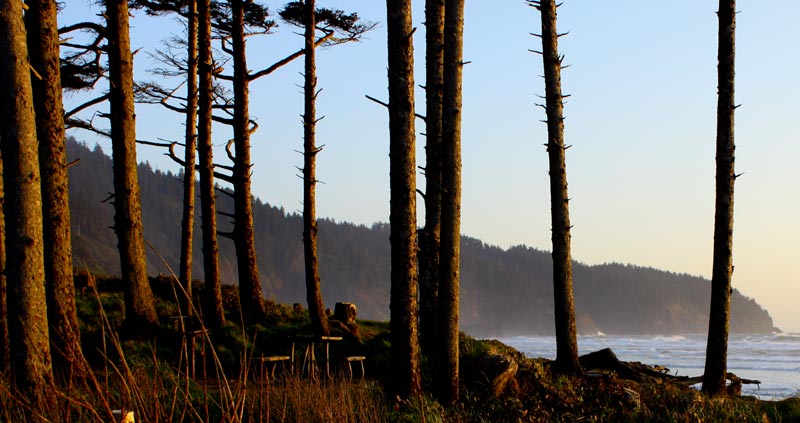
(451, 199)
(566, 333)
(5, 358)
(402, 217)
(187, 222)
(430, 238)
(27, 309)
(212, 289)
(140, 312)
(43, 50)
(719, 315)
(250, 296)
(316, 308)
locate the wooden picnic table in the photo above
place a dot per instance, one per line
(309, 355)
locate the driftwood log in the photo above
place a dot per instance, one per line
(735, 387)
(606, 360)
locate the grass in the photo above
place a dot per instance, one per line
(151, 379)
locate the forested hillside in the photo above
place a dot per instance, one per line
(503, 292)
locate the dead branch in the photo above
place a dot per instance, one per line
(226, 234)
(231, 156)
(387, 106)
(86, 105)
(154, 144)
(171, 154)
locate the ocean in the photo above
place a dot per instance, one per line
(773, 359)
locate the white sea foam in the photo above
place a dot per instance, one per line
(774, 359)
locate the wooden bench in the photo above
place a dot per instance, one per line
(190, 327)
(272, 360)
(355, 358)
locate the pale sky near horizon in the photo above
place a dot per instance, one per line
(641, 120)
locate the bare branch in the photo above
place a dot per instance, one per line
(287, 59)
(387, 106)
(231, 156)
(155, 144)
(86, 105)
(229, 235)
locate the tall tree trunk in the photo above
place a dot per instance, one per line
(250, 296)
(5, 357)
(140, 312)
(187, 223)
(402, 217)
(30, 346)
(316, 307)
(212, 289)
(43, 49)
(430, 237)
(451, 199)
(566, 337)
(719, 315)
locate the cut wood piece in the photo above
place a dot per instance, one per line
(355, 358)
(273, 360)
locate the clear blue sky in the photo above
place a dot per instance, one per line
(641, 120)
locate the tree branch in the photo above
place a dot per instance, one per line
(288, 59)
(86, 105)
(387, 106)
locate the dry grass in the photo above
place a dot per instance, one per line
(132, 376)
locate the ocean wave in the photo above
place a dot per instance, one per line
(673, 338)
(786, 337)
(774, 358)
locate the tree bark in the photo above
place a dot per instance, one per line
(5, 353)
(43, 50)
(566, 334)
(430, 238)
(402, 217)
(187, 222)
(140, 312)
(451, 199)
(212, 289)
(719, 315)
(316, 307)
(250, 296)
(28, 332)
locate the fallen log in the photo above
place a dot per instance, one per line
(606, 360)
(729, 376)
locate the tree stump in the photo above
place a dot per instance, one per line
(502, 371)
(84, 282)
(345, 313)
(344, 319)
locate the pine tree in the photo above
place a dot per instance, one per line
(450, 254)
(212, 287)
(43, 49)
(566, 332)
(430, 237)
(719, 315)
(250, 293)
(306, 15)
(28, 332)
(316, 307)
(140, 312)
(402, 217)
(187, 221)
